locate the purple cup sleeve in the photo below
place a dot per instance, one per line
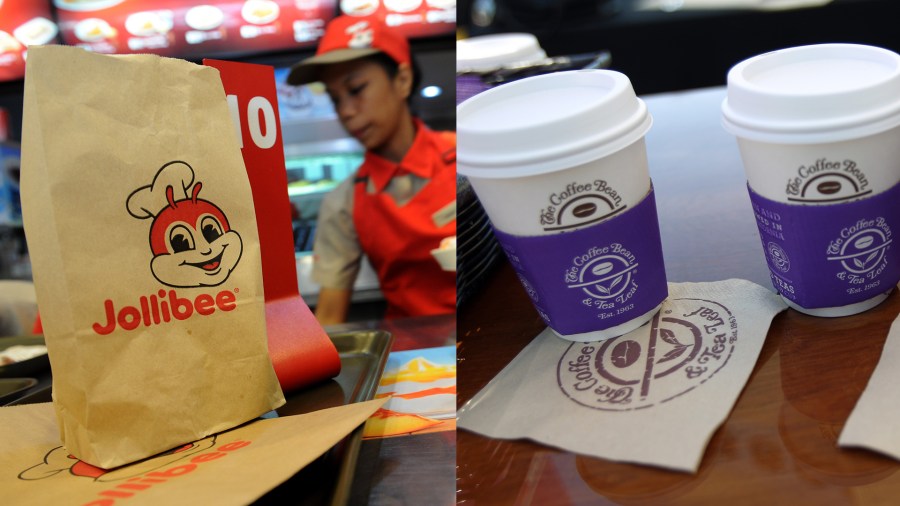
(469, 85)
(830, 255)
(596, 277)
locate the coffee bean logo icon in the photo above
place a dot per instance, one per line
(829, 187)
(864, 242)
(603, 268)
(581, 211)
(674, 341)
(606, 276)
(585, 210)
(685, 345)
(625, 353)
(778, 258)
(863, 251)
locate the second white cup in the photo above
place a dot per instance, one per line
(818, 128)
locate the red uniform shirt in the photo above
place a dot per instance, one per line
(397, 232)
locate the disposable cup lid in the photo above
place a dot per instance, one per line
(814, 94)
(548, 123)
(491, 52)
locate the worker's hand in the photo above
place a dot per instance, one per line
(333, 305)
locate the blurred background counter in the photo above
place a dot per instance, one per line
(668, 45)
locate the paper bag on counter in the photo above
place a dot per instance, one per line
(236, 467)
(142, 233)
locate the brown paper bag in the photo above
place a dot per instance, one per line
(143, 241)
(231, 468)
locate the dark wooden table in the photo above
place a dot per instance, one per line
(779, 445)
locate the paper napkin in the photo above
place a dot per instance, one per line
(873, 422)
(653, 396)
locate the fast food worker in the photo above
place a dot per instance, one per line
(401, 202)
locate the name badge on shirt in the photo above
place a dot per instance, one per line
(445, 214)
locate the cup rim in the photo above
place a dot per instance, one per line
(614, 120)
(756, 112)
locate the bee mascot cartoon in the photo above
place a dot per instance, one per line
(190, 238)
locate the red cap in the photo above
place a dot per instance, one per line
(348, 38)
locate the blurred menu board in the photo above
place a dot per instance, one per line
(22, 23)
(190, 28)
(414, 18)
(187, 28)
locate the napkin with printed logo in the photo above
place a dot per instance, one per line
(873, 422)
(653, 396)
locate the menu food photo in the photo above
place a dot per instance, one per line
(184, 28)
(188, 29)
(23, 23)
(413, 18)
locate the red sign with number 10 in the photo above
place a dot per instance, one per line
(301, 351)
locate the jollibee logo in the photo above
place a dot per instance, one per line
(59, 460)
(116, 486)
(193, 246)
(191, 240)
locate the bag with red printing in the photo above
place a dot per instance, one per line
(143, 241)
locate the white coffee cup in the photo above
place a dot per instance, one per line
(557, 153)
(816, 126)
(486, 53)
(520, 146)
